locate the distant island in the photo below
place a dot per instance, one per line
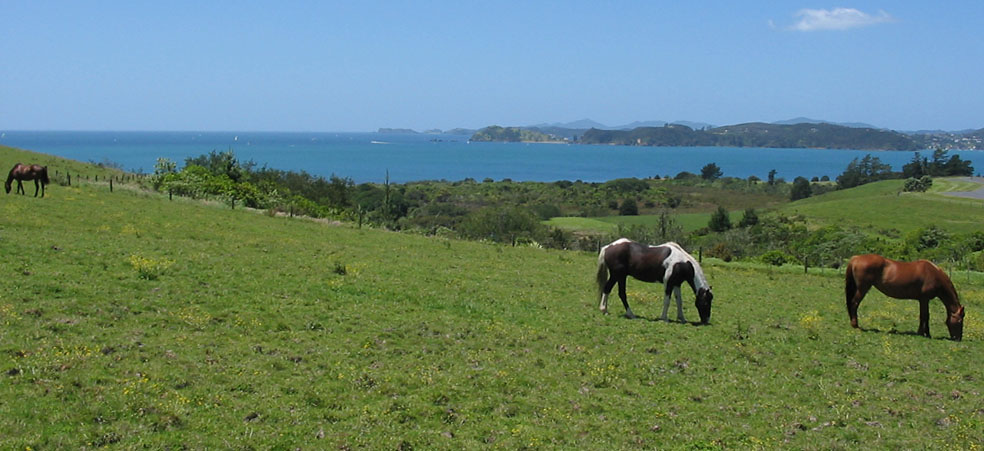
(513, 134)
(798, 132)
(754, 134)
(397, 131)
(435, 131)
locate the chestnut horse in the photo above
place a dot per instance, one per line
(667, 263)
(22, 172)
(920, 280)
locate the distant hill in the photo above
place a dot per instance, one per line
(757, 134)
(585, 124)
(693, 125)
(806, 120)
(582, 124)
(460, 131)
(799, 132)
(510, 134)
(402, 131)
(637, 124)
(964, 139)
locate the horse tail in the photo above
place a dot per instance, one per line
(44, 175)
(850, 285)
(602, 275)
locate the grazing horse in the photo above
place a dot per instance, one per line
(667, 263)
(22, 172)
(921, 280)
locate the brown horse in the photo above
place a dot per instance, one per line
(22, 172)
(920, 280)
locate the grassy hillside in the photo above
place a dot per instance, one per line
(883, 206)
(609, 224)
(133, 321)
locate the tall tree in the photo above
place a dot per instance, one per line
(866, 170)
(801, 189)
(711, 171)
(720, 222)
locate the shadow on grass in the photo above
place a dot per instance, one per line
(659, 320)
(910, 333)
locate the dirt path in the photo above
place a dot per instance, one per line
(976, 194)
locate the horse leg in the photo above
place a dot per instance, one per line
(36, 187)
(625, 302)
(679, 301)
(666, 304)
(923, 318)
(604, 294)
(20, 188)
(855, 293)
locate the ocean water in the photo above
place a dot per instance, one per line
(367, 157)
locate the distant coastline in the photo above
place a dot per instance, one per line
(804, 136)
(793, 133)
(415, 157)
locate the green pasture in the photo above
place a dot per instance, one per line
(883, 206)
(879, 207)
(609, 224)
(131, 321)
(60, 170)
(953, 184)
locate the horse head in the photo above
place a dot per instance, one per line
(703, 303)
(954, 322)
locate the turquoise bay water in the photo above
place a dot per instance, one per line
(366, 157)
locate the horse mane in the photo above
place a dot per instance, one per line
(947, 283)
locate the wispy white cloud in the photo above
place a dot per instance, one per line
(836, 19)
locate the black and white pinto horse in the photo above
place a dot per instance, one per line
(667, 263)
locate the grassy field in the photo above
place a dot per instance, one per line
(131, 321)
(880, 206)
(883, 206)
(609, 224)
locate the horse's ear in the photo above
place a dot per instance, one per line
(960, 312)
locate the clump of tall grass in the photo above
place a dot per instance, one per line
(150, 268)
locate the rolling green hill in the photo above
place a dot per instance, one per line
(131, 321)
(883, 206)
(609, 224)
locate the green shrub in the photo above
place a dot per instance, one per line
(775, 258)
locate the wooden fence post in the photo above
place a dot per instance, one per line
(110, 184)
(69, 175)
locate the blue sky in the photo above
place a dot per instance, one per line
(358, 66)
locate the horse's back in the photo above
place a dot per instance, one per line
(641, 261)
(867, 267)
(903, 280)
